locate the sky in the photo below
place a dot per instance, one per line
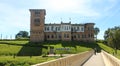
(15, 15)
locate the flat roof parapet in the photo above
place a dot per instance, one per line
(37, 9)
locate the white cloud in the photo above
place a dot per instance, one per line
(82, 7)
(15, 15)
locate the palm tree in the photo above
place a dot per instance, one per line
(96, 31)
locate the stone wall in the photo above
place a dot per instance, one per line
(73, 60)
(110, 60)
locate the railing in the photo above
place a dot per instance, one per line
(73, 60)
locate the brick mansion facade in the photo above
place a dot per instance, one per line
(39, 31)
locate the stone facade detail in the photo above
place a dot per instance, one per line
(39, 31)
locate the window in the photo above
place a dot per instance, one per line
(92, 28)
(74, 36)
(47, 28)
(48, 36)
(59, 36)
(52, 28)
(67, 35)
(64, 35)
(67, 27)
(77, 28)
(92, 36)
(82, 36)
(78, 35)
(88, 28)
(82, 29)
(58, 28)
(88, 35)
(72, 29)
(52, 36)
(37, 22)
(37, 12)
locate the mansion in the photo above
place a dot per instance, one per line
(39, 31)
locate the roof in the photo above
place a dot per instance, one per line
(63, 23)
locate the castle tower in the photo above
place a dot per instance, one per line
(37, 20)
(89, 32)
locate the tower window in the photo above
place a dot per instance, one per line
(37, 12)
(37, 22)
(89, 35)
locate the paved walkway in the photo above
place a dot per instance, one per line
(95, 60)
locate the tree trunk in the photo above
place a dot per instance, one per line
(96, 38)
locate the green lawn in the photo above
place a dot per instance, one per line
(25, 53)
(23, 60)
(24, 48)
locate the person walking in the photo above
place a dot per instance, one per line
(95, 51)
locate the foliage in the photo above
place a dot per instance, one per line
(109, 50)
(22, 34)
(112, 36)
(100, 41)
(96, 31)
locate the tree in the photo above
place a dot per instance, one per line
(22, 34)
(112, 36)
(106, 34)
(96, 31)
(116, 40)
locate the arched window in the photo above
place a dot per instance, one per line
(78, 35)
(52, 36)
(67, 35)
(37, 22)
(37, 12)
(74, 36)
(48, 36)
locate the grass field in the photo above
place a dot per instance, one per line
(24, 48)
(109, 50)
(23, 60)
(23, 53)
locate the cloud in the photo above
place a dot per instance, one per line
(81, 7)
(15, 14)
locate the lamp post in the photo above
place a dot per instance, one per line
(1, 36)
